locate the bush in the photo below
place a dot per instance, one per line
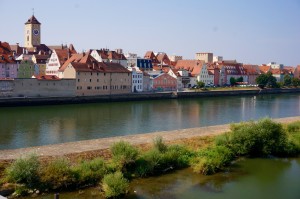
(255, 139)
(24, 171)
(176, 156)
(123, 153)
(148, 163)
(90, 172)
(57, 174)
(212, 160)
(114, 185)
(159, 144)
(294, 127)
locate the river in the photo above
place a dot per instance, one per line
(41, 125)
(246, 179)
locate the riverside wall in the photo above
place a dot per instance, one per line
(24, 101)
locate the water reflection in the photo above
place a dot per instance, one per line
(32, 126)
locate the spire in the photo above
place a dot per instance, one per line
(32, 20)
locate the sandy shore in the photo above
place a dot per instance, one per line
(102, 144)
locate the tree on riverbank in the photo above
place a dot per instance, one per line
(266, 80)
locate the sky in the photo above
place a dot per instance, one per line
(252, 32)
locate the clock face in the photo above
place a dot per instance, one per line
(36, 32)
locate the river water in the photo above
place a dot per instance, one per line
(42, 125)
(246, 179)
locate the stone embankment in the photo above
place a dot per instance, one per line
(30, 101)
(102, 144)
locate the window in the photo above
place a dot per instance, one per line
(78, 80)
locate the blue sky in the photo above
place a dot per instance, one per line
(256, 31)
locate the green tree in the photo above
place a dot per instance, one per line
(240, 79)
(262, 80)
(295, 81)
(200, 84)
(287, 80)
(272, 82)
(232, 81)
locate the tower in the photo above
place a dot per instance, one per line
(32, 32)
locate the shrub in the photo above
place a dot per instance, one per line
(90, 172)
(123, 153)
(114, 185)
(57, 174)
(293, 127)
(255, 139)
(159, 144)
(148, 163)
(176, 156)
(24, 171)
(211, 160)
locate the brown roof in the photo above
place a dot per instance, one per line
(163, 57)
(150, 55)
(264, 68)
(251, 69)
(46, 77)
(9, 59)
(193, 66)
(32, 20)
(111, 55)
(5, 48)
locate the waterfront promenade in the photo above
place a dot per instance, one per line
(102, 144)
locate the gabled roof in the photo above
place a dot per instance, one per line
(32, 20)
(5, 48)
(150, 55)
(193, 66)
(163, 57)
(251, 69)
(264, 68)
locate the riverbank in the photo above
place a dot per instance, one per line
(89, 148)
(33, 101)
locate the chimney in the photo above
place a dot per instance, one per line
(18, 44)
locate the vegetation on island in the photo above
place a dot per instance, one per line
(264, 138)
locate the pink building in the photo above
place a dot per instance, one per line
(163, 82)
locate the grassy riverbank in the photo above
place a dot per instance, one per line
(207, 155)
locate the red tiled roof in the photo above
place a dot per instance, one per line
(9, 59)
(264, 68)
(5, 48)
(46, 77)
(193, 66)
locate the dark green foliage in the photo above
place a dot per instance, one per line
(24, 171)
(212, 160)
(200, 84)
(261, 138)
(287, 80)
(295, 81)
(266, 80)
(114, 185)
(240, 79)
(232, 81)
(90, 172)
(57, 174)
(124, 153)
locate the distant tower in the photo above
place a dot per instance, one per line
(32, 32)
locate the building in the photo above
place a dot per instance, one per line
(32, 32)
(229, 70)
(96, 78)
(26, 69)
(151, 56)
(252, 73)
(162, 82)
(217, 58)
(206, 57)
(146, 82)
(58, 58)
(175, 58)
(8, 65)
(106, 55)
(40, 63)
(137, 79)
(175, 73)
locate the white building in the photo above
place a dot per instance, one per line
(205, 76)
(137, 79)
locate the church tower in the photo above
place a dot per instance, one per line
(32, 32)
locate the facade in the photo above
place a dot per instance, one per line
(57, 59)
(32, 32)
(137, 79)
(217, 58)
(146, 82)
(205, 76)
(229, 70)
(8, 65)
(206, 57)
(175, 58)
(26, 69)
(40, 63)
(174, 73)
(163, 82)
(96, 78)
(6, 87)
(252, 73)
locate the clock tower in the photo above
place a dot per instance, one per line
(32, 32)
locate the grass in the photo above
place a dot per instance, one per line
(206, 155)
